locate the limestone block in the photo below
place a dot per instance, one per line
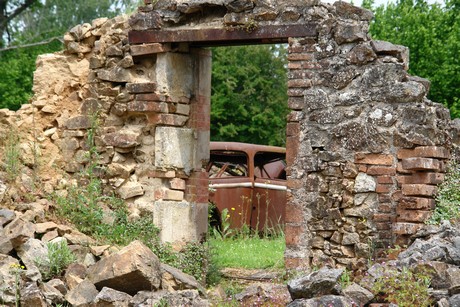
(365, 183)
(180, 221)
(130, 189)
(365, 205)
(175, 148)
(174, 74)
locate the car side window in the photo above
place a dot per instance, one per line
(224, 164)
(270, 165)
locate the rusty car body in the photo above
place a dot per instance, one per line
(250, 182)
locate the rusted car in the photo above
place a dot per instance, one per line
(250, 182)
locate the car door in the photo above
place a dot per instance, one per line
(230, 186)
(269, 195)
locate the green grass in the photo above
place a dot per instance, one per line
(248, 253)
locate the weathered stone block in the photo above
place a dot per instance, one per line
(130, 190)
(78, 122)
(174, 148)
(364, 183)
(386, 48)
(136, 88)
(177, 184)
(122, 139)
(134, 268)
(180, 221)
(174, 74)
(147, 106)
(145, 20)
(406, 228)
(145, 49)
(348, 33)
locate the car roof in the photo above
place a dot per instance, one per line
(246, 147)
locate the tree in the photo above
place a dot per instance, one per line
(432, 33)
(38, 21)
(10, 9)
(51, 18)
(249, 94)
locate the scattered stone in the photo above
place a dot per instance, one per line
(32, 296)
(322, 282)
(326, 300)
(112, 298)
(357, 294)
(173, 279)
(83, 294)
(132, 269)
(6, 216)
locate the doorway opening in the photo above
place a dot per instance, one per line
(247, 166)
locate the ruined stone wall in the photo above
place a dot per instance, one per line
(147, 111)
(365, 147)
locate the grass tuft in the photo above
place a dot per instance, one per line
(248, 253)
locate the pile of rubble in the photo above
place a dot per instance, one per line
(437, 249)
(101, 276)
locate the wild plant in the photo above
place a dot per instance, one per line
(58, 259)
(448, 195)
(12, 162)
(403, 286)
(17, 271)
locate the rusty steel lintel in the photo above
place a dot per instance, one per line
(220, 37)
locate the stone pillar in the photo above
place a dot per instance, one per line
(181, 212)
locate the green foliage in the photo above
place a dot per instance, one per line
(404, 286)
(249, 94)
(42, 21)
(346, 278)
(59, 258)
(16, 74)
(193, 260)
(17, 270)
(225, 231)
(431, 31)
(52, 18)
(250, 253)
(448, 196)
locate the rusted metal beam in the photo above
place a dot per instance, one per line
(218, 37)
